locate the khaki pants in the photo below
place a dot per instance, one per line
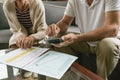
(107, 52)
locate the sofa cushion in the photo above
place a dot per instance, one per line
(4, 27)
(57, 3)
(53, 13)
(5, 35)
(3, 20)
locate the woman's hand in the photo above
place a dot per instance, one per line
(29, 42)
(20, 41)
(25, 42)
(68, 39)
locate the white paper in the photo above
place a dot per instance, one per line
(2, 52)
(20, 57)
(51, 63)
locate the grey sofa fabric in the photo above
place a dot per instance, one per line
(53, 13)
(4, 29)
(3, 21)
(57, 3)
(5, 35)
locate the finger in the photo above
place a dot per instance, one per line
(56, 45)
(29, 42)
(66, 37)
(56, 29)
(53, 30)
(22, 45)
(18, 42)
(49, 31)
(32, 41)
(25, 44)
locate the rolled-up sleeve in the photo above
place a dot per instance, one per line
(69, 8)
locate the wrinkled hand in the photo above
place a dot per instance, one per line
(29, 41)
(53, 30)
(67, 40)
(25, 42)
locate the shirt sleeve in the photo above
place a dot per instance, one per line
(39, 20)
(112, 5)
(70, 8)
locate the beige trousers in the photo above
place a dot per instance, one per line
(107, 52)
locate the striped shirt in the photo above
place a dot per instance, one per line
(24, 18)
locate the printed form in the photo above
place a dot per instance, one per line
(21, 57)
(40, 60)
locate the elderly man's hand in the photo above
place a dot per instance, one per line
(52, 30)
(67, 40)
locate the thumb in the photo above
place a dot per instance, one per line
(64, 38)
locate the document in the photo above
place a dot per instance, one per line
(53, 64)
(2, 52)
(21, 57)
(39, 60)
